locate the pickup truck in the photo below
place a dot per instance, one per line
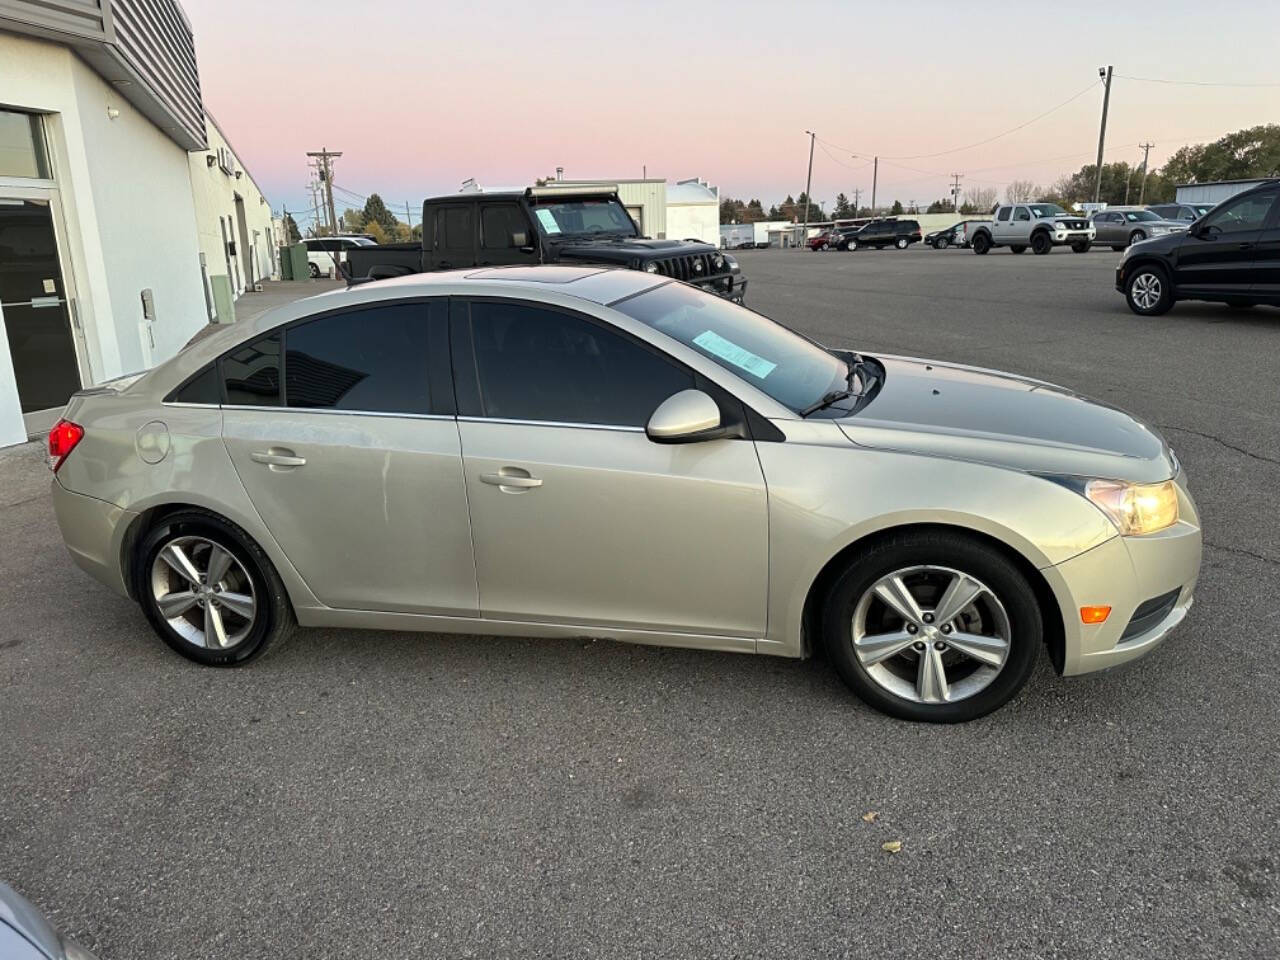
(548, 224)
(1040, 226)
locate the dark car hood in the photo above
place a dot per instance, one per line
(625, 249)
(969, 413)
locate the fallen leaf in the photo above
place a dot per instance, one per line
(893, 846)
(870, 816)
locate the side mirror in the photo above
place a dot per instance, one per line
(1204, 231)
(519, 239)
(689, 416)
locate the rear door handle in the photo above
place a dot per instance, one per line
(278, 458)
(511, 480)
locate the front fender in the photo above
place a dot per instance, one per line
(824, 498)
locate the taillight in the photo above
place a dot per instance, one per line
(62, 440)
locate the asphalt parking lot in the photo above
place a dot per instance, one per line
(396, 795)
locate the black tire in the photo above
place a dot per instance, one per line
(851, 246)
(943, 243)
(901, 243)
(314, 271)
(1018, 249)
(1117, 249)
(955, 551)
(273, 619)
(1081, 247)
(981, 244)
(1133, 288)
(1041, 243)
(1136, 237)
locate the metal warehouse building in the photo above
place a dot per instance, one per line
(1214, 191)
(107, 263)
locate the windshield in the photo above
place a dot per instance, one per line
(1202, 208)
(1039, 210)
(794, 371)
(1133, 216)
(582, 217)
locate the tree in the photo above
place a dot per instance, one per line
(352, 221)
(979, 200)
(815, 212)
(896, 209)
(375, 211)
(291, 229)
(842, 211)
(1242, 155)
(941, 206)
(731, 210)
(374, 229)
(1021, 191)
(754, 212)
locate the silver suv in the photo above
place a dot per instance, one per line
(1040, 226)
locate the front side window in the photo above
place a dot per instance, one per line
(539, 364)
(251, 373)
(372, 360)
(790, 369)
(1242, 215)
(1022, 213)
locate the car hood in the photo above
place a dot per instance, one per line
(984, 416)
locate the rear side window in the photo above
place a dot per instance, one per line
(454, 224)
(202, 388)
(372, 360)
(1003, 214)
(537, 364)
(251, 373)
(497, 223)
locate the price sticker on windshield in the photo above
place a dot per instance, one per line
(548, 220)
(730, 352)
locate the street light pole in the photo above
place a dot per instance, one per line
(808, 185)
(1105, 73)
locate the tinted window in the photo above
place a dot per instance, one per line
(251, 373)
(202, 388)
(1003, 214)
(1243, 214)
(498, 223)
(536, 364)
(373, 359)
(455, 228)
(781, 363)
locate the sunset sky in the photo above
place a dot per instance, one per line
(422, 95)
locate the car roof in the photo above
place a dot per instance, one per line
(602, 285)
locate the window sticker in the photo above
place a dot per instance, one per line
(547, 220)
(730, 352)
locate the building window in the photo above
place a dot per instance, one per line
(22, 152)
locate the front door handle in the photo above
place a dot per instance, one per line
(278, 458)
(511, 480)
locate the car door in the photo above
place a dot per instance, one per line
(454, 243)
(1106, 226)
(1216, 259)
(1266, 264)
(577, 517)
(1000, 227)
(341, 429)
(1020, 226)
(501, 226)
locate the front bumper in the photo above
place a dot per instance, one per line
(93, 531)
(1125, 573)
(1074, 236)
(730, 286)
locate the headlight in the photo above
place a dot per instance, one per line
(651, 266)
(717, 262)
(1135, 508)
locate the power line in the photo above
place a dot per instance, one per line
(1195, 83)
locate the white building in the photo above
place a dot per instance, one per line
(101, 241)
(693, 211)
(1213, 192)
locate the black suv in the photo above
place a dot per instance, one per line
(886, 233)
(547, 224)
(1230, 255)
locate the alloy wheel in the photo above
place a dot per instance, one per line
(203, 592)
(1146, 291)
(931, 634)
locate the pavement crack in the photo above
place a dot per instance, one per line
(18, 503)
(1229, 446)
(1240, 551)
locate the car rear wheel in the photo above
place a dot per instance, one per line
(1041, 244)
(1018, 249)
(1136, 237)
(901, 243)
(981, 244)
(209, 590)
(933, 626)
(1147, 291)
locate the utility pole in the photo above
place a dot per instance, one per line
(955, 191)
(1105, 73)
(808, 185)
(408, 214)
(1146, 151)
(875, 175)
(326, 177)
(857, 193)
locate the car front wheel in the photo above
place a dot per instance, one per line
(1041, 244)
(209, 590)
(853, 245)
(1148, 292)
(314, 271)
(1136, 237)
(933, 626)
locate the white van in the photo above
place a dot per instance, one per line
(322, 252)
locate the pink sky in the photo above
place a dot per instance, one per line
(420, 96)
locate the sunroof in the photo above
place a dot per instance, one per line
(535, 274)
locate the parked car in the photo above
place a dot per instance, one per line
(1040, 226)
(1183, 212)
(569, 451)
(327, 255)
(822, 241)
(886, 233)
(1121, 226)
(1231, 255)
(551, 224)
(956, 235)
(847, 230)
(27, 934)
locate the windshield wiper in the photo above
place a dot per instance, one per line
(858, 367)
(835, 396)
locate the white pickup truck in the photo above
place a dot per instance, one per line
(1040, 226)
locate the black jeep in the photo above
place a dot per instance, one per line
(551, 224)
